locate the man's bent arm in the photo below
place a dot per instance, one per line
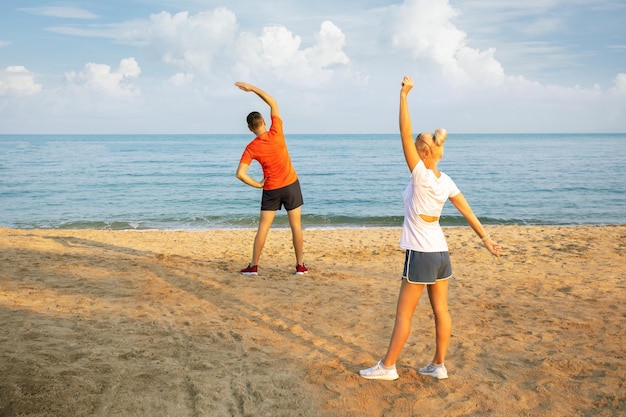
(242, 174)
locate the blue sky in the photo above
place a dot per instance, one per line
(165, 66)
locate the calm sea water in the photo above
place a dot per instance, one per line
(188, 181)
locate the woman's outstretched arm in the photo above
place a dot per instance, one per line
(464, 208)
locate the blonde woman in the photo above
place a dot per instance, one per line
(427, 260)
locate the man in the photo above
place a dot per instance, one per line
(280, 183)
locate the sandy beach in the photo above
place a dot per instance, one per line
(161, 323)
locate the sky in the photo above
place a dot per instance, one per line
(169, 66)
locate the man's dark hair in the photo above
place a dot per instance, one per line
(254, 120)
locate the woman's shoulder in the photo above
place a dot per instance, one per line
(419, 168)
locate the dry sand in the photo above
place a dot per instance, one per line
(160, 323)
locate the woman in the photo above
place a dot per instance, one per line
(427, 260)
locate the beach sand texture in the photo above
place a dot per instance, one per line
(161, 323)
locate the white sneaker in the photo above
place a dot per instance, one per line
(379, 372)
(436, 371)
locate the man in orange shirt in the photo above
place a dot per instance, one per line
(280, 183)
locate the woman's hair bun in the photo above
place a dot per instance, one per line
(440, 136)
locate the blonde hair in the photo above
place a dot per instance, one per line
(428, 140)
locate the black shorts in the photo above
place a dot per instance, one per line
(289, 196)
(426, 267)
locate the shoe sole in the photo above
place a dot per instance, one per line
(380, 377)
(249, 273)
(434, 376)
(302, 273)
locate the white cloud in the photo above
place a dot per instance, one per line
(196, 43)
(619, 87)
(87, 32)
(18, 81)
(555, 41)
(4, 43)
(279, 52)
(181, 79)
(426, 29)
(60, 11)
(473, 85)
(328, 50)
(187, 41)
(101, 79)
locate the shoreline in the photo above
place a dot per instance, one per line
(305, 227)
(111, 323)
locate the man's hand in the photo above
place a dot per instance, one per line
(262, 94)
(244, 86)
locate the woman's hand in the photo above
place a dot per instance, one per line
(407, 84)
(492, 246)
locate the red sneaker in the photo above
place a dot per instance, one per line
(301, 269)
(250, 270)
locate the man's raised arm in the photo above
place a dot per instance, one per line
(262, 94)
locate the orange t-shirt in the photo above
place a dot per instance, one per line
(270, 149)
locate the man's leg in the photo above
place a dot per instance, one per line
(265, 221)
(295, 222)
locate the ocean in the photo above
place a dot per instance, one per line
(187, 182)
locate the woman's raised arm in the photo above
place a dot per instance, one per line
(406, 130)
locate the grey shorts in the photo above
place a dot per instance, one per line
(426, 267)
(289, 196)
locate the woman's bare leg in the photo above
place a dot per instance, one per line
(438, 295)
(407, 301)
